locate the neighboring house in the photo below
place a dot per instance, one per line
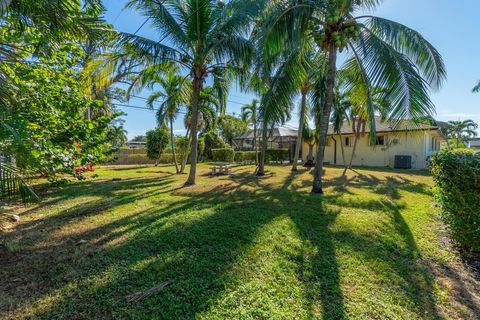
(407, 146)
(136, 144)
(278, 138)
(474, 144)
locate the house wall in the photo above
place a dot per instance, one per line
(419, 145)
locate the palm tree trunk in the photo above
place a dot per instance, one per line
(185, 156)
(325, 118)
(172, 141)
(357, 136)
(197, 88)
(343, 150)
(261, 163)
(303, 106)
(310, 154)
(255, 148)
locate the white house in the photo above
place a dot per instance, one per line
(405, 146)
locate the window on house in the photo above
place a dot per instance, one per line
(380, 141)
(348, 142)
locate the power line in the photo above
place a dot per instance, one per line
(143, 24)
(123, 105)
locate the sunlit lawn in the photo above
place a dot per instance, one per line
(233, 247)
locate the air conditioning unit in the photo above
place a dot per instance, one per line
(403, 162)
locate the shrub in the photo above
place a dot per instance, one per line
(244, 156)
(212, 141)
(457, 177)
(223, 154)
(157, 142)
(277, 155)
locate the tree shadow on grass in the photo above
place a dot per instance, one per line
(194, 241)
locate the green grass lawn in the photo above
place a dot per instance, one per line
(234, 247)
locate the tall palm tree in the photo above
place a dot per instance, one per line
(340, 115)
(175, 92)
(462, 131)
(207, 118)
(388, 54)
(250, 115)
(205, 37)
(311, 64)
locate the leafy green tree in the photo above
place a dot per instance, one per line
(140, 138)
(387, 54)
(47, 112)
(203, 36)
(250, 116)
(32, 28)
(157, 142)
(231, 127)
(212, 141)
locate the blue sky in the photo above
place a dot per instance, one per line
(451, 26)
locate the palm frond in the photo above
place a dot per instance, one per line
(14, 186)
(411, 43)
(408, 92)
(476, 89)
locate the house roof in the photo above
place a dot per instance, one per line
(277, 132)
(381, 127)
(474, 143)
(387, 126)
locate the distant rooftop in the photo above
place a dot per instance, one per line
(381, 127)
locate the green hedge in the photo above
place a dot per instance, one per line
(164, 157)
(244, 156)
(277, 155)
(457, 177)
(223, 154)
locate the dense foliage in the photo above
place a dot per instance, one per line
(231, 127)
(57, 126)
(157, 142)
(211, 141)
(277, 155)
(457, 176)
(223, 154)
(245, 156)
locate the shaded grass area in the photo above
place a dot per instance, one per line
(233, 247)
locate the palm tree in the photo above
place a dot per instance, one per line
(311, 138)
(462, 131)
(205, 37)
(387, 54)
(207, 118)
(250, 115)
(310, 64)
(175, 93)
(341, 108)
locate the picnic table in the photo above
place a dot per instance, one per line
(220, 168)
